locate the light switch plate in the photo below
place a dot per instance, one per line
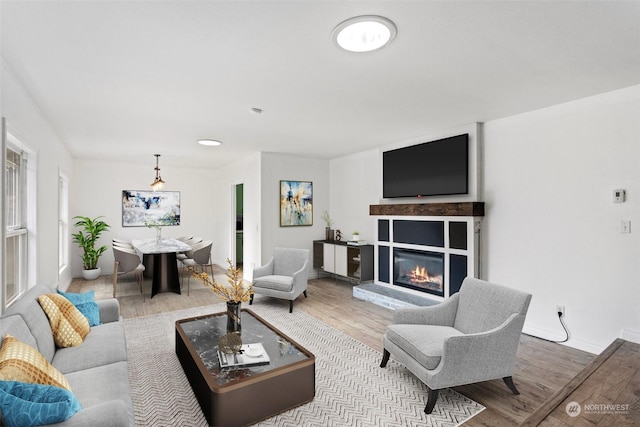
(625, 226)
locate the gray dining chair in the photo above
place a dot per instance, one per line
(122, 243)
(198, 257)
(126, 261)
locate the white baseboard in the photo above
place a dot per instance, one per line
(630, 335)
(573, 342)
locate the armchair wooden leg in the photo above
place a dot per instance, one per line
(509, 382)
(251, 299)
(385, 358)
(291, 306)
(431, 401)
(305, 294)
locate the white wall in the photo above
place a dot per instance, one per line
(97, 191)
(276, 167)
(26, 122)
(552, 228)
(247, 172)
(355, 186)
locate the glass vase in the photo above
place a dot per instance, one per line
(233, 317)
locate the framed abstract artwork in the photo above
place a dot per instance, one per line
(142, 208)
(296, 203)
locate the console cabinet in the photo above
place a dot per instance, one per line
(340, 259)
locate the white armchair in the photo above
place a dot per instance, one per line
(284, 276)
(471, 337)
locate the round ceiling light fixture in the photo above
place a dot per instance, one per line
(209, 142)
(364, 33)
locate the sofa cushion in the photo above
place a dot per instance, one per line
(86, 304)
(16, 327)
(104, 345)
(424, 343)
(26, 404)
(21, 362)
(68, 325)
(279, 283)
(29, 308)
(96, 386)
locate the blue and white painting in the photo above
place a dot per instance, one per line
(142, 208)
(296, 203)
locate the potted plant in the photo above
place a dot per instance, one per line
(355, 236)
(86, 239)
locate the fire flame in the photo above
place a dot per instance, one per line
(421, 275)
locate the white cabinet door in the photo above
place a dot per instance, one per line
(341, 260)
(328, 253)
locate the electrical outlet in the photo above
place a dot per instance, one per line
(560, 309)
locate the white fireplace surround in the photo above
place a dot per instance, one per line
(467, 215)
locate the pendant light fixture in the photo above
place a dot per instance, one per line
(158, 183)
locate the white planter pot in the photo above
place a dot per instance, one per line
(91, 274)
(355, 237)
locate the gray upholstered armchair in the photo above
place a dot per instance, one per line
(284, 276)
(471, 337)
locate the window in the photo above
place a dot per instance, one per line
(18, 257)
(63, 222)
(15, 257)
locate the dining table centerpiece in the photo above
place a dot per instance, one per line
(157, 224)
(234, 293)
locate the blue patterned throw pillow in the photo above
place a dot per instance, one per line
(86, 304)
(26, 404)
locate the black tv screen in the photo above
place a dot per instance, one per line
(433, 168)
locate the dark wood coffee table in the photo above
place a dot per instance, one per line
(237, 397)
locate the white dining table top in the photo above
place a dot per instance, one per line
(162, 246)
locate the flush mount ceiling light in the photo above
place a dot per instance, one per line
(364, 33)
(209, 142)
(158, 183)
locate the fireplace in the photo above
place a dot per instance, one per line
(419, 270)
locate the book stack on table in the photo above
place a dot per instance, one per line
(248, 355)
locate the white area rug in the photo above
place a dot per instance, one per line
(351, 388)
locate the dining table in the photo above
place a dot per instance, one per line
(162, 253)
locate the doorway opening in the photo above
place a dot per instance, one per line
(239, 221)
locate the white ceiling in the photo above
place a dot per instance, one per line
(134, 78)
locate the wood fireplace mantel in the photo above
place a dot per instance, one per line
(429, 209)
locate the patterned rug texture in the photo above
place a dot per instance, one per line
(351, 388)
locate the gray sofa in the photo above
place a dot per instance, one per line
(96, 370)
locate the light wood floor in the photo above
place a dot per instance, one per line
(542, 368)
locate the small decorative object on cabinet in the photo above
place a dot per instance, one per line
(353, 262)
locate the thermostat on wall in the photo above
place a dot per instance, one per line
(619, 195)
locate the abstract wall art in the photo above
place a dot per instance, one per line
(296, 203)
(142, 208)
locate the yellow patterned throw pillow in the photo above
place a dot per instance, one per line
(68, 325)
(21, 362)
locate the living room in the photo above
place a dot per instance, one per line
(547, 177)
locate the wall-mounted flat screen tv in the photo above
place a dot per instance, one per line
(435, 168)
